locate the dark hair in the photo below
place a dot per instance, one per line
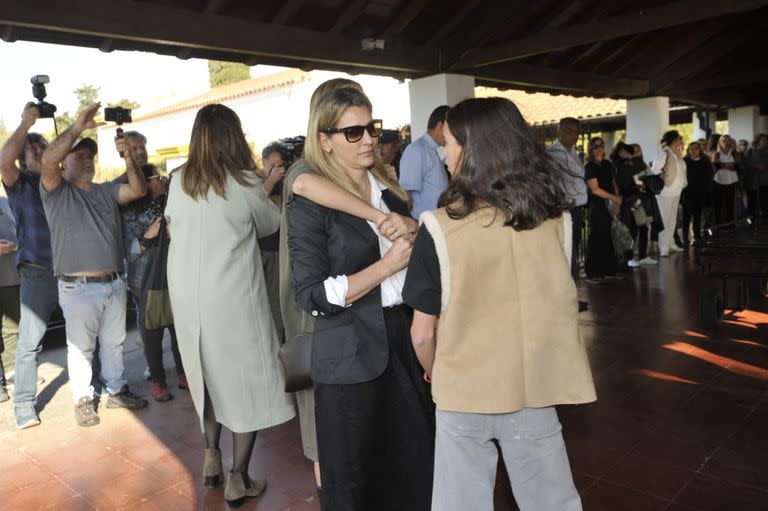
(713, 142)
(437, 116)
(590, 149)
(502, 165)
(567, 121)
(669, 137)
(274, 147)
(621, 146)
(31, 138)
(217, 149)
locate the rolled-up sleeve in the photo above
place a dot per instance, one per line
(308, 251)
(412, 168)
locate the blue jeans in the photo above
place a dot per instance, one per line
(39, 296)
(94, 310)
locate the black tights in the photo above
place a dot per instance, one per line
(242, 443)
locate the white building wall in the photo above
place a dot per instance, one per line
(266, 116)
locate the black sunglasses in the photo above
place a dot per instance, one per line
(598, 145)
(355, 133)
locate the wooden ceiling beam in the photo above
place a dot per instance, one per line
(215, 6)
(412, 9)
(643, 20)
(526, 75)
(454, 22)
(723, 80)
(349, 16)
(149, 23)
(287, 9)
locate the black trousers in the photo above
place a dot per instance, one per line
(757, 199)
(577, 217)
(601, 258)
(693, 211)
(724, 203)
(376, 439)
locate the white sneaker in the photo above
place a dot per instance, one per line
(664, 253)
(648, 261)
(675, 248)
(632, 263)
(147, 375)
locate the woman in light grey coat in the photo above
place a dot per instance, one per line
(227, 338)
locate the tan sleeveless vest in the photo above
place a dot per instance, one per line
(508, 334)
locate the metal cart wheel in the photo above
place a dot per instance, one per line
(711, 307)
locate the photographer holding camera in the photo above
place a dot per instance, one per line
(137, 218)
(86, 236)
(39, 293)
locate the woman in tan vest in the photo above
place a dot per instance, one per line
(495, 322)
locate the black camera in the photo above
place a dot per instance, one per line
(38, 91)
(118, 115)
(293, 149)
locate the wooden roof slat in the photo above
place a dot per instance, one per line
(350, 14)
(412, 9)
(644, 20)
(287, 9)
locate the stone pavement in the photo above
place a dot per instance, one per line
(680, 422)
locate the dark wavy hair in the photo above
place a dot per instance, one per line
(668, 137)
(502, 166)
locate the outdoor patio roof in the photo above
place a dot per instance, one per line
(694, 51)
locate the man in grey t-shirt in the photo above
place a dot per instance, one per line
(86, 238)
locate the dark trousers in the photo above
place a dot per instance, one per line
(10, 310)
(724, 203)
(758, 202)
(601, 258)
(376, 438)
(153, 345)
(577, 217)
(693, 210)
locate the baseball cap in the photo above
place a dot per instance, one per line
(87, 143)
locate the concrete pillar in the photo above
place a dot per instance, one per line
(700, 125)
(428, 93)
(763, 124)
(647, 120)
(609, 137)
(743, 122)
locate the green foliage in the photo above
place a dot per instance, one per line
(124, 103)
(221, 73)
(86, 95)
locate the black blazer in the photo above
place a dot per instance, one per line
(349, 344)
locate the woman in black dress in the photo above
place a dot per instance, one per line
(374, 414)
(697, 196)
(599, 173)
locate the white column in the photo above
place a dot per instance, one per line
(609, 137)
(763, 124)
(743, 122)
(647, 120)
(428, 93)
(700, 126)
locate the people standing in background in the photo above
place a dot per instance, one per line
(390, 149)
(217, 210)
(39, 288)
(564, 152)
(10, 309)
(627, 168)
(756, 176)
(137, 217)
(697, 196)
(599, 172)
(671, 166)
(726, 181)
(422, 171)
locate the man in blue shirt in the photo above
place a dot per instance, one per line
(422, 172)
(39, 288)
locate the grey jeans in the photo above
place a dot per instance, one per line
(534, 452)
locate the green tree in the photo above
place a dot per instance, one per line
(86, 95)
(124, 103)
(221, 73)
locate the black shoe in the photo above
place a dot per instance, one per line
(583, 306)
(126, 399)
(3, 394)
(85, 413)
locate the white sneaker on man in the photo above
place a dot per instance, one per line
(675, 248)
(632, 263)
(647, 261)
(664, 253)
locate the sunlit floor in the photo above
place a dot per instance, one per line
(681, 421)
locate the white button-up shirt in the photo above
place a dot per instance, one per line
(336, 288)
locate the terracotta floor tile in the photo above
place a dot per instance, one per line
(604, 496)
(77, 503)
(60, 460)
(311, 505)
(88, 478)
(712, 494)
(40, 496)
(125, 491)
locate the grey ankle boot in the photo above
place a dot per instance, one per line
(239, 487)
(213, 474)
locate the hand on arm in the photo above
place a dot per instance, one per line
(362, 282)
(424, 339)
(394, 226)
(12, 146)
(324, 192)
(137, 185)
(596, 190)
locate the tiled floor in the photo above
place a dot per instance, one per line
(681, 423)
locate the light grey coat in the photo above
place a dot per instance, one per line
(227, 338)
